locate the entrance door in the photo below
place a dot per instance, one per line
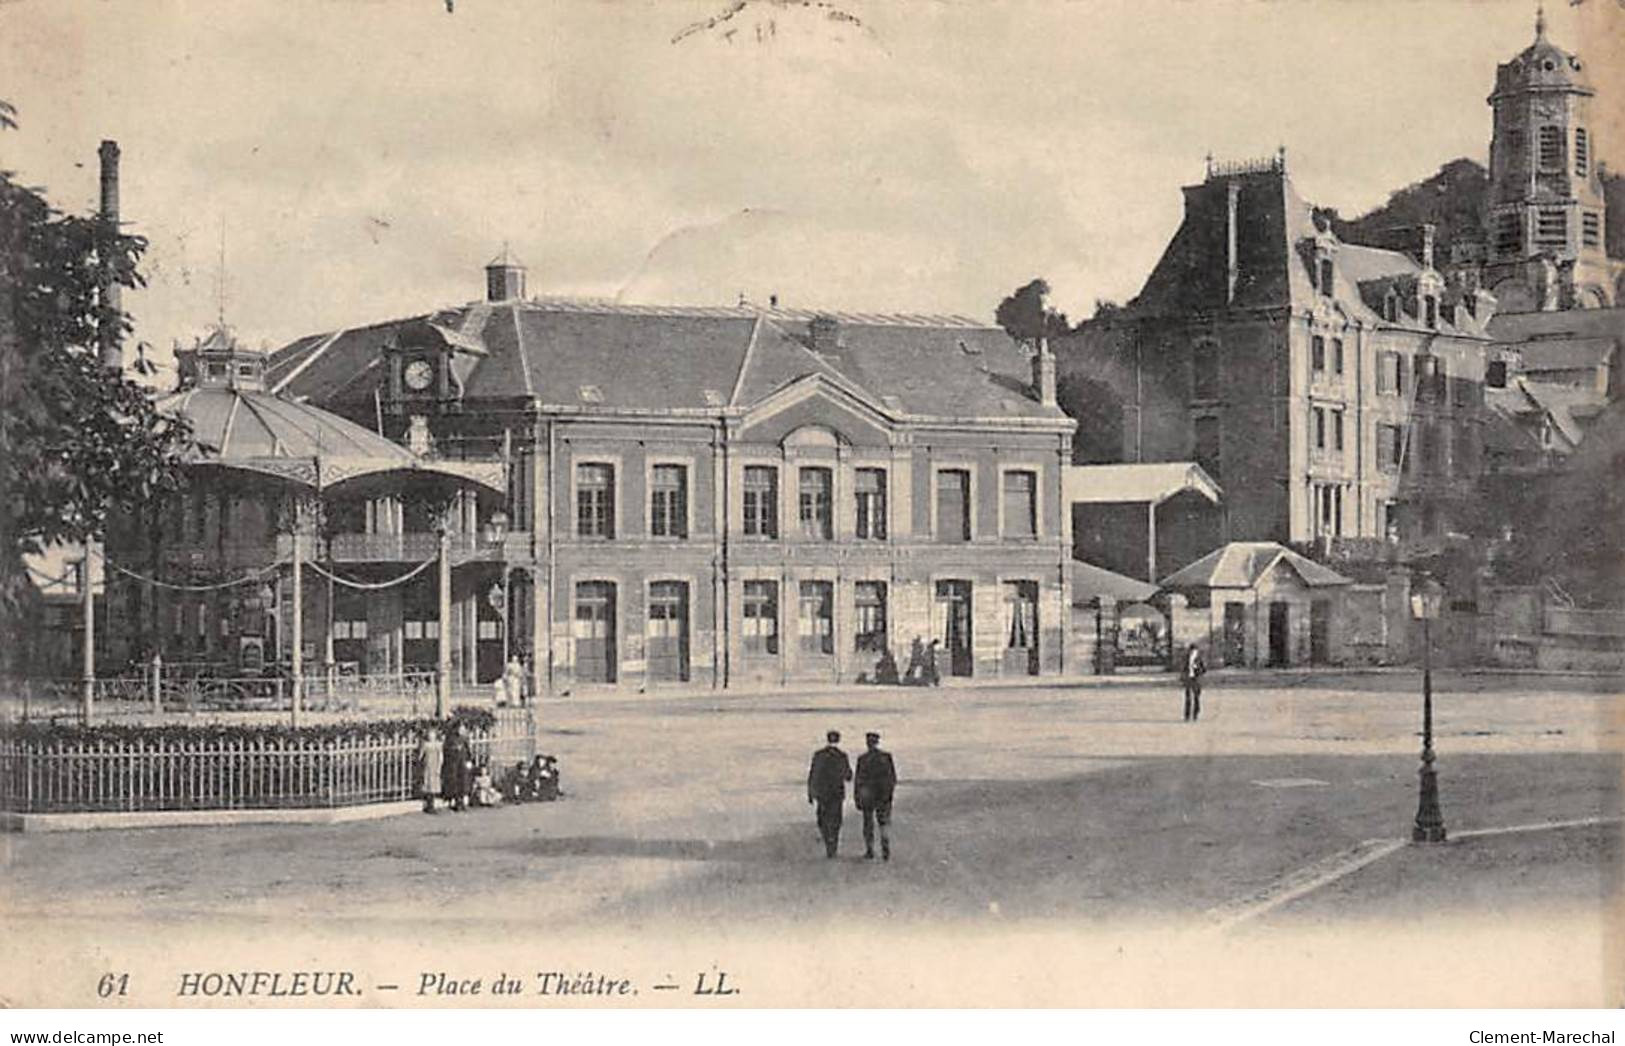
(1278, 634)
(1235, 633)
(1320, 632)
(595, 632)
(1021, 628)
(668, 631)
(953, 598)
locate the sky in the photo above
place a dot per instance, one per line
(356, 160)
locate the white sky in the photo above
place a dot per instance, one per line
(367, 157)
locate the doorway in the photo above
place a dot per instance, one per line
(668, 631)
(1279, 619)
(1235, 633)
(954, 603)
(1021, 628)
(595, 632)
(1320, 632)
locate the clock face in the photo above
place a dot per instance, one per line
(418, 374)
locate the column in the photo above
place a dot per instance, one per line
(442, 691)
(87, 593)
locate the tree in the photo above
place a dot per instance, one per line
(77, 440)
(1025, 317)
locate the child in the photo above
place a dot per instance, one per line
(430, 758)
(485, 790)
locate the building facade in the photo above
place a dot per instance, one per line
(1332, 389)
(713, 497)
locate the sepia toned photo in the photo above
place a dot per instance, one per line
(788, 503)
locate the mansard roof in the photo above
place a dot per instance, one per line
(607, 356)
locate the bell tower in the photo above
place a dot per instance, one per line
(1544, 214)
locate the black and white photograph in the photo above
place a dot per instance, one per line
(786, 504)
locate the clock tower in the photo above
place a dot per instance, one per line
(1544, 213)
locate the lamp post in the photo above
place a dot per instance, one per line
(1427, 599)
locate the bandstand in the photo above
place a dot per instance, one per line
(308, 560)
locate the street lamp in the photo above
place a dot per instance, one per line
(1427, 599)
(496, 528)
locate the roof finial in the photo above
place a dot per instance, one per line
(1540, 21)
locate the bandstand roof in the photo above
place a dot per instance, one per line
(257, 431)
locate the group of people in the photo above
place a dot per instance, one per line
(448, 770)
(512, 687)
(872, 788)
(922, 666)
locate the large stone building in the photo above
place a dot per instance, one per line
(1332, 389)
(702, 496)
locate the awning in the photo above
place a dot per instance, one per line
(1147, 483)
(1090, 582)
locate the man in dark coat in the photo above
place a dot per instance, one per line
(826, 786)
(1191, 670)
(872, 791)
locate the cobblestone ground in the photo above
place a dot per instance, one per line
(1090, 806)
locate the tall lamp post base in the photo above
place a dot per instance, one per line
(1429, 826)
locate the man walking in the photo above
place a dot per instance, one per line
(826, 786)
(872, 791)
(1191, 670)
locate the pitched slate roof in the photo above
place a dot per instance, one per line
(1569, 323)
(1240, 564)
(1566, 353)
(594, 355)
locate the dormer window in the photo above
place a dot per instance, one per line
(1390, 307)
(1326, 276)
(1430, 311)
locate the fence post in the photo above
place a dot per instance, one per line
(156, 682)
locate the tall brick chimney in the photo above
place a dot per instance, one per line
(1044, 373)
(824, 333)
(1428, 230)
(112, 351)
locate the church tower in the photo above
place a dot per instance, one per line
(1544, 214)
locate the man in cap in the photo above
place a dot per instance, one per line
(826, 786)
(872, 791)
(1191, 670)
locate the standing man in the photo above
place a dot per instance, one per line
(826, 786)
(872, 791)
(1191, 670)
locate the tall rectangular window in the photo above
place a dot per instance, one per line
(1207, 446)
(870, 498)
(816, 624)
(1390, 445)
(815, 495)
(1430, 311)
(1391, 373)
(761, 501)
(1337, 355)
(1590, 229)
(1205, 371)
(1551, 147)
(668, 501)
(869, 619)
(595, 501)
(1326, 277)
(1337, 430)
(1320, 428)
(1020, 504)
(953, 505)
(1582, 152)
(1317, 353)
(759, 605)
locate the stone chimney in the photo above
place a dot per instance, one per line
(825, 333)
(1044, 373)
(504, 278)
(1232, 262)
(1428, 230)
(109, 335)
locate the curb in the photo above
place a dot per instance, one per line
(89, 822)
